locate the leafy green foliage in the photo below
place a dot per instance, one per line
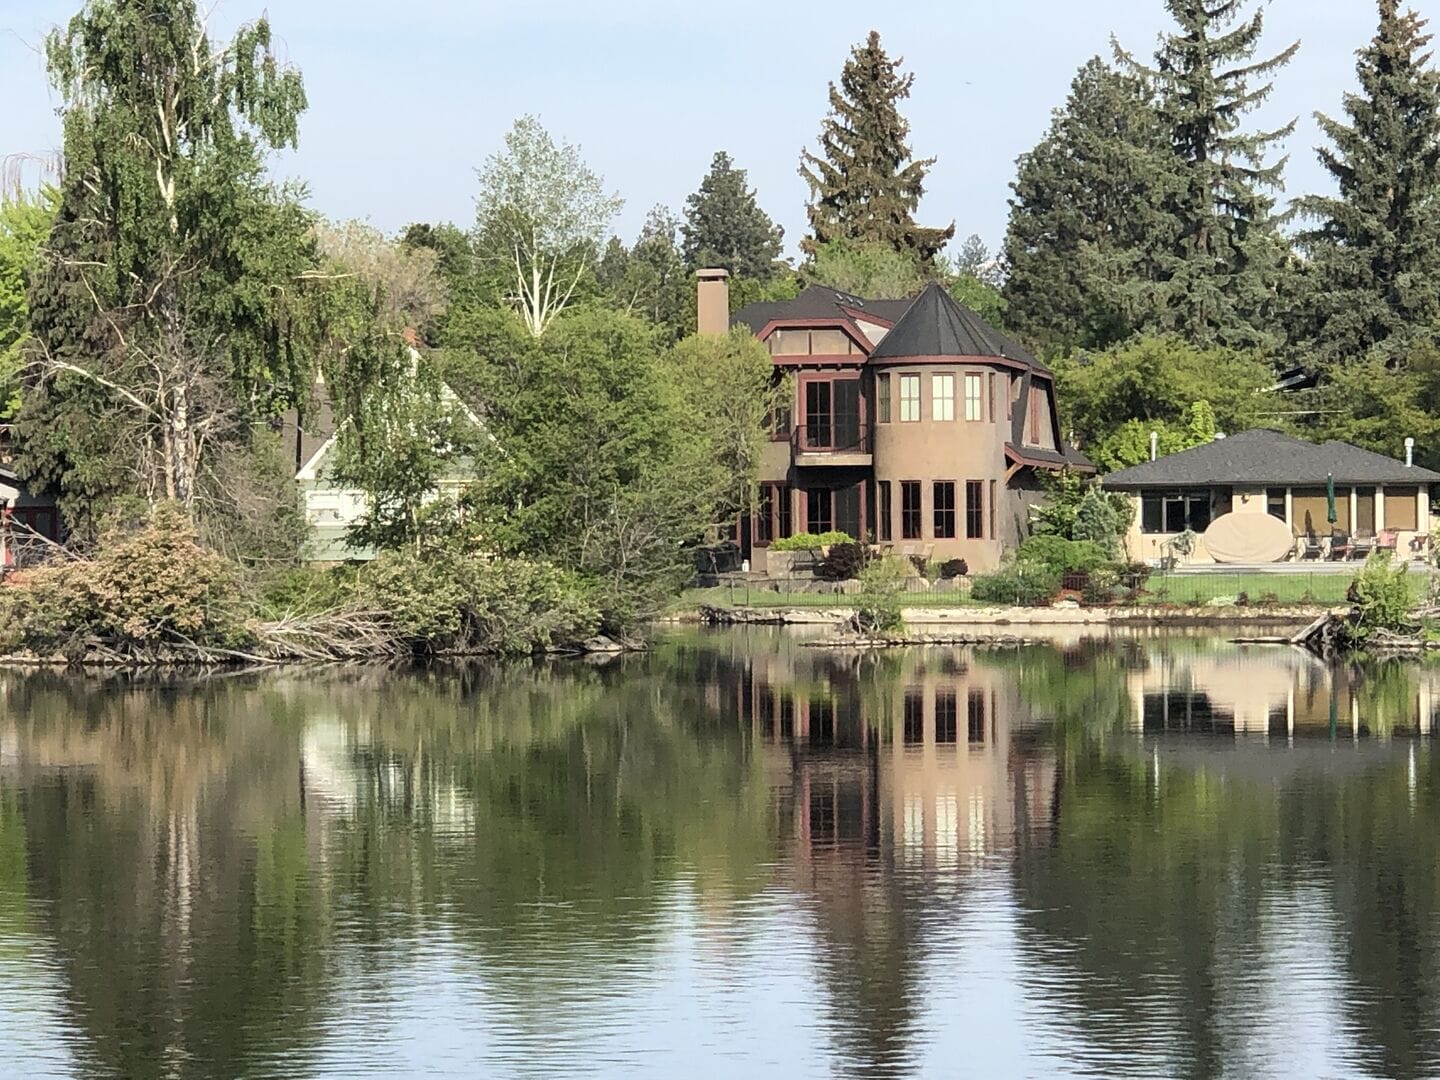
(1114, 399)
(650, 279)
(446, 601)
(873, 270)
(1373, 271)
(864, 187)
(24, 226)
(811, 541)
(1027, 584)
(146, 592)
(724, 226)
(1382, 599)
(882, 582)
(1376, 402)
(1061, 555)
(844, 562)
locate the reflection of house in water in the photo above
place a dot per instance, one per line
(922, 763)
(1279, 692)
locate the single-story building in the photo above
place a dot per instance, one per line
(1209, 489)
(27, 522)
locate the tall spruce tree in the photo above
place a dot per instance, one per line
(724, 225)
(1373, 276)
(1087, 226)
(864, 186)
(1223, 274)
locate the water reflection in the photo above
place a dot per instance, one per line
(738, 855)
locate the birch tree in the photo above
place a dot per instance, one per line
(160, 306)
(541, 216)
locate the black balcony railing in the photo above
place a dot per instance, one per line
(834, 438)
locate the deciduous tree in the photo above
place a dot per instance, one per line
(542, 215)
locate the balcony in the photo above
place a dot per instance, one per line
(840, 444)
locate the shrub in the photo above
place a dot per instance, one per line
(811, 541)
(145, 591)
(844, 562)
(1026, 584)
(953, 568)
(1382, 599)
(458, 603)
(881, 583)
(1061, 555)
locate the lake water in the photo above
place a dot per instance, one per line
(734, 856)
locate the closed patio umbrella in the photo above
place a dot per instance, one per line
(1330, 514)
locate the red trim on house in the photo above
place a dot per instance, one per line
(1019, 459)
(850, 331)
(954, 361)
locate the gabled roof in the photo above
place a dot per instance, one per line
(936, 325)
(1262, 456)
(815, 303)
(10, 487)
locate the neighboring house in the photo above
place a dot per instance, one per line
(914, 424)
(1265, 473)
(27, 522)
(332, 509)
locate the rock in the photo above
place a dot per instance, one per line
(945, 585)
(917, 584)
(601, 645)
(851, 588)
(1066, 605)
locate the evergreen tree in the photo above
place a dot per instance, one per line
(651, 278)
(864, 186)
(1373, 277)
(1087, 226)
(724, 226)
(1223, 274)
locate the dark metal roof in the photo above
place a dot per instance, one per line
(937, 325)
(1262, 456)
(817, 302)
(1068, 457)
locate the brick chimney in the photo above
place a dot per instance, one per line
(713, 302)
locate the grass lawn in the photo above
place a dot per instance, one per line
(1185, 589)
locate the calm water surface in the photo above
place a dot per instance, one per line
(736, 856)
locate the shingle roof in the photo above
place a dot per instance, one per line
(937, 325)
(816, 302)
(1262, 456)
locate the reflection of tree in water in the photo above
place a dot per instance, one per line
(1156, 878)
(186, 939)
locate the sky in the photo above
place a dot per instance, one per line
(408, 98)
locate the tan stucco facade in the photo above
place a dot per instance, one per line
(1402, 505)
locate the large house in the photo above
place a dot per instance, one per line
(914, 423)
(29, 523)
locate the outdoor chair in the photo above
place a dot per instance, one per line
(1311, 546)
(1388, 541)
(1418, 546)
(1339, 545)
(1362, 546)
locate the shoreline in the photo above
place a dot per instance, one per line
(1280, 615)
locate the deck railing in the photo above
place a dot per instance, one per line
(835, 438)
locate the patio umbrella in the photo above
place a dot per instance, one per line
(1330, 514)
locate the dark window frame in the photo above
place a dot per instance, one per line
(974, 510)
(943, 510)
(912, 511)
(884, 522)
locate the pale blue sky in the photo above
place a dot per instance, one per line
(407, 98)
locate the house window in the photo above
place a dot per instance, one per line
(1174, 513)
(990, 393)
(790, 343)
(819, 511)
(810, 343)
(832, 414)
(976, 710)
(974, 397)
(1011, 394)
(847, 511)
(945, 510)
(772, 515)
(778, 421)
(992, 510)
(1275, 502)
(942, 397)
(974, 509)
(910, 509)
(829, 343)
(914, 718)
(1037, 396)
(909, 399)
(947, 715)
(884, 530)
(882, 398)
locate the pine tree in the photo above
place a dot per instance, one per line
(1373, 277)
(1223, 275)
(864, 186)
(724, 226)
(1087, 225)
